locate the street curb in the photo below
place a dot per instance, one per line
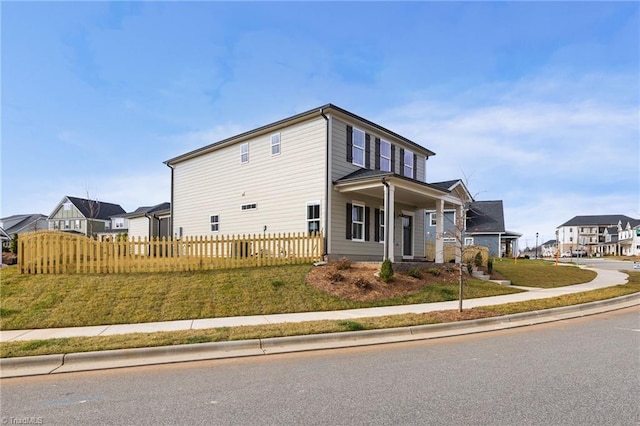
(99, 360)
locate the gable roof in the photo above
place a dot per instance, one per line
(485, 216)
(104, 210)
(319, 112)
(141, 211)
(599, 220)
(16, 223)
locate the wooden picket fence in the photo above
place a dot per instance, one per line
(50, 252)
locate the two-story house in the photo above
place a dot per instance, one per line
(587, 232)
(629, 238)
(324, 170)
(82, 216)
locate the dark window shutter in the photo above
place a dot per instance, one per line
(349, 144)
(367, 151)
(376, 225)
(367, 223)
(393, 158)
(415, 166)
(401, 162)
(377, 154)
(349, 220)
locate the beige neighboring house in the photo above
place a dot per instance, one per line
(83, 216)
(149, 222)
(362, 185)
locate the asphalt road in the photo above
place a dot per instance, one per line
(576, 372)
(600, 263)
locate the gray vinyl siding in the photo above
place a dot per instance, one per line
(492, 242)
(449, 226)
(216, 183)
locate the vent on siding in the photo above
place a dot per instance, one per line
(252, 206)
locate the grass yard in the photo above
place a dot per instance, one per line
(141, 340)
(541, 273)
(50, 301)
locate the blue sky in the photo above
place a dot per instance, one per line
(534, 103)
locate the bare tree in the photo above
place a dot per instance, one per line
(93, 208)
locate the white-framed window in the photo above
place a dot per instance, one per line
(250, 206)
(313, 217)
(408, 164)
(385, 156)
(66, 206)
(77, 224)
(118, 222)
(380, 225)
(67, 224)
(357, 222)
(432, 219)
(468, 241)
(244, 153)
(358, 147)
(275, 144)
(215, 223)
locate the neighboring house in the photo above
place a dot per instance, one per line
(629, 238)
(485, 227)
(362, 185)
(149, 222)
(587, 232)
(4, 238)
(609, 247)
(549, 248)
(82, 216)
(21, 223)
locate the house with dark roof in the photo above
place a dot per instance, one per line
(485, 227)
(328, 170)
(21, 223)
(149, 222)
(83, 216)
(587, 232)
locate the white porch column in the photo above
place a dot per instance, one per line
(389, 226)
(459, 228)
(439, 231)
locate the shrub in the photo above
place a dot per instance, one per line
(469, 268)
(434, 271)
(490, 265)
(478, 259)
(415, 273)
(277, 283)
(334, 276)
(448, 268)
(13, 244)
(386, 270)
(362, 284)
(343, 264)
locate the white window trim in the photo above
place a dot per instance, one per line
(448, 240)
(355, 204)
(354, 147)
(404, 160)
(380, 225)
(433, 219)
(244, 151)
(382, 141)
(217, 223)
(276, 144)
(318, 219)
(468, 241)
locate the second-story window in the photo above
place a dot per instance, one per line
(385, 156)
(358, 147)
(244, 153)
(275, 144)
(408, 168)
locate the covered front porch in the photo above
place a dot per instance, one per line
(403, 202)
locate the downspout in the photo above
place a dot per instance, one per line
(327, 180)
(150, 232)
(386, 219)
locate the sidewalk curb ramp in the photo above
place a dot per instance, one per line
(100, 360)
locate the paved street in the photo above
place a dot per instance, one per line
(577, 372)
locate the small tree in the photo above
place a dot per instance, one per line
(13, 245)
(386, 270)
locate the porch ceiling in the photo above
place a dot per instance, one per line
(407, 191)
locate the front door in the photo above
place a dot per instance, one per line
(407, 237)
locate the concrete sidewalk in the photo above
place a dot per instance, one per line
(605, 278)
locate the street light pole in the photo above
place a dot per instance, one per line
(536, 245)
